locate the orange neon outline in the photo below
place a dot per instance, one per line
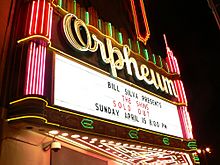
(140, 37)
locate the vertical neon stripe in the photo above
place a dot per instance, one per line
(45, 20)
(32, 68)
(185, 122)
(183, 90)
(173, 63)
(32, 16)
(30, 51)
(43, 68)
(181, 93)
(36, 18)
(60, 3)
(161, 63)
(109, 27)
(129, 42)
(176, 88)
(154, 59)
(74, 7)
(99, 24)
(34, 71)
(146, 54)
(38, 78)
(40, 71)
(42, 18)
(138, 47)
(169, 63)
(35, 87)
(50, 23)
(182, 122)
(189, 125)
(120, 38)
(188, 131)
(177, 66)
(87, 17)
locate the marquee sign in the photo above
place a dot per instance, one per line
(82, 89)
(93, 45)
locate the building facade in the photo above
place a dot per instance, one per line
(80, 84)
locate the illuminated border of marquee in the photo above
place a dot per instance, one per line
(77, 114)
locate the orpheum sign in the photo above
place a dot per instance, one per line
(117, 57)
(80, 88)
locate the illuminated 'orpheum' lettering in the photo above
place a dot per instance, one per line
(108, 53)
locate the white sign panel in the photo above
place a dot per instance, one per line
(82, 89)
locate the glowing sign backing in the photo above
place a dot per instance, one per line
(82, 89)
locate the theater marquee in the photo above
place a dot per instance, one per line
(82, 89)
(94, 86)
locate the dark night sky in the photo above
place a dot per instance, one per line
(194, 37)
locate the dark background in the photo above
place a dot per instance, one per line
(193, 36)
